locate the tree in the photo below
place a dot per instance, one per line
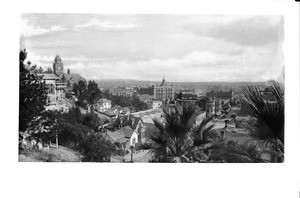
(268, 127)
(32, 97)
(48, 71)
(93, 92)
(138, 105)
(80, 91)
(92, 121)
(40, 70)
(96, 149)
(178, 139)
(233, 152)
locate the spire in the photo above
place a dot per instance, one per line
(163, 83)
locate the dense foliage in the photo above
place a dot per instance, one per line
(89, 94)
(179, 139)
(96, 149)
(32, 97)
(268, 128)
(132, 102)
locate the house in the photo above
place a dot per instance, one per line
(125, 137)
(134, 123)
(156, 104)
(102, 105)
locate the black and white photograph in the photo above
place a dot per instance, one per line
(165, 98)
(151, 88)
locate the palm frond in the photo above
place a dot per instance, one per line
(269, 116)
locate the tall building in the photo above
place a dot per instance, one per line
(164, 91)
(58, 66)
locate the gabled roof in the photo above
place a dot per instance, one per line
(125, 132)
(103, 100)
(131, 122)
(72, 78)
(49, 76)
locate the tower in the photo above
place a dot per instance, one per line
(58, 66)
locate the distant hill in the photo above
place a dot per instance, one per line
(225, 86)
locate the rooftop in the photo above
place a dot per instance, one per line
(49, 76)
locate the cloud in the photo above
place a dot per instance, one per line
(252, 31)
(107, 26)
(28, 30)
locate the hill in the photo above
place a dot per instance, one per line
(62, 154)
(106, 83)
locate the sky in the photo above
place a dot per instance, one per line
(189, 48)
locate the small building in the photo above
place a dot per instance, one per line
(156, 104)
(125, 137)
(102, 105)
(210, 107)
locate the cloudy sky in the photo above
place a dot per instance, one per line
(146, 47)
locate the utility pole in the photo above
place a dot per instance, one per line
(56, 140)
(131, 148)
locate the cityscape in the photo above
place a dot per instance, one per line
(151, 88)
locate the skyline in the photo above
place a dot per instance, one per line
(189, 48)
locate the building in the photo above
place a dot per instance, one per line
(55, 87)
(125, 137)
(164, 91)
(102, 105)
(131, 127)
(156, 104)
(58, 66)
(70, 79)
(145, 97)
(220, 94)
(120, 92)
(210, 107)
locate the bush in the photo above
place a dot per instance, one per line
(96, 149)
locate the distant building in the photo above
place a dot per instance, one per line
(220, 94)
(210, 107)
(145, 97)
(164, 91)
(120, 92)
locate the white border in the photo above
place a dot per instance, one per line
(146, 180)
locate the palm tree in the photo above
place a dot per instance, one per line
(232, 151)
(178, 138)
(268, 128)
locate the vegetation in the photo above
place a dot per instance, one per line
(32, 98)
(234, 152)
(90, 94)
(268, 127)
(132, 102)
(96, 149)
(179, 140)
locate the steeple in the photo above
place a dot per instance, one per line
(163, 83)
